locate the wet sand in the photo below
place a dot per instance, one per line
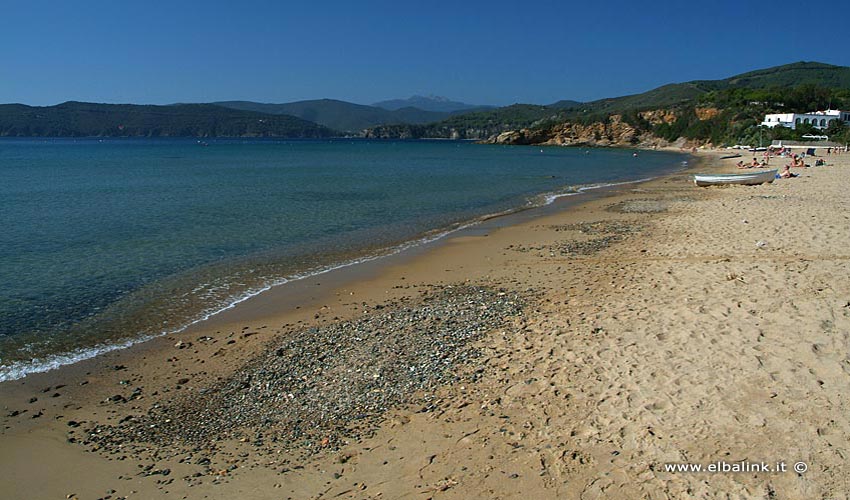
(662, 324)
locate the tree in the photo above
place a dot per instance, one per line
(836, 128)
(806, 128)
(809, 97)
(779, 132)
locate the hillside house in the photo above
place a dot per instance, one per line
(818, 119)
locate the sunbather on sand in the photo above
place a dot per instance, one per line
(796, 161)
(786, 173)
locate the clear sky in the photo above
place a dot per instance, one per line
(481, 52)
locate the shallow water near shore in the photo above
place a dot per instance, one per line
(106, 242)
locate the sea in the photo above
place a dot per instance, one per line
(108, 242)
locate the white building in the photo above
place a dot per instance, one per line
(818, 119)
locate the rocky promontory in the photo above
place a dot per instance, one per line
(611, 132)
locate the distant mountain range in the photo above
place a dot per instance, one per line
(352, 118)
(436, 117)
(429, 103)
(340, 115)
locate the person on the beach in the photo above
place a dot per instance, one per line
(755, 162)
(786, 173)
(740, 164)
(796, 161)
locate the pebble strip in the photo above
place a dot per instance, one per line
(319, 388)
(601, 227)
(611, 231)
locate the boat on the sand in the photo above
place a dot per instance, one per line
(747, 178)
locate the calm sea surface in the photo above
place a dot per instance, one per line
(103, 243)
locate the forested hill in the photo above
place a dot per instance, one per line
(764, 82)
(81, 119)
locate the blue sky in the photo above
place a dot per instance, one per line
(479, 52)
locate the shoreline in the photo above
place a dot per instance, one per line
(18, 370)
(632, 347)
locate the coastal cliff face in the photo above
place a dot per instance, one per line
(704, 114)
(612, 132)
(658, 116)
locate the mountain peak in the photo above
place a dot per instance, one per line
(427, 103)
(431, 97)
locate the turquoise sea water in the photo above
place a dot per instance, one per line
(105, 242)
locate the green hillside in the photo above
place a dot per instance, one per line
(341, 115)
(80, 119)
(661, 97)
(791, 75)
(778, 78)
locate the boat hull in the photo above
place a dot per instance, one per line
(747, 179)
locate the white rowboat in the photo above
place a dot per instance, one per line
(748, 178)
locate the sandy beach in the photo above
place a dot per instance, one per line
(573, 355)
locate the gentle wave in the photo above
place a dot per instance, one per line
(21, 369)
(552, 197)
